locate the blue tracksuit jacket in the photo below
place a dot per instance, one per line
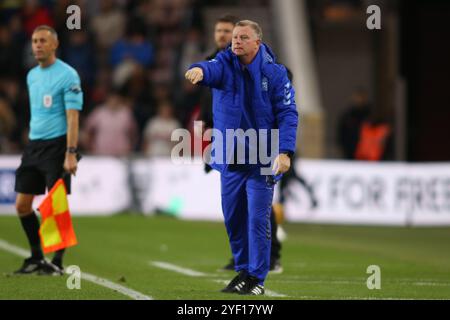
(272, 98)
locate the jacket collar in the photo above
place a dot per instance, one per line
(263, 57)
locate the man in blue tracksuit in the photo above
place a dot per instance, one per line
(250, 92)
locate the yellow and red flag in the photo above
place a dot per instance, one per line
(56, 229)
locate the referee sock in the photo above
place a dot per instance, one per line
(30, 224)
(58, 257)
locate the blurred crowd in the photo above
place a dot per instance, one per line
(131, 57)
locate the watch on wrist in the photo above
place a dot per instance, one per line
(72, 150)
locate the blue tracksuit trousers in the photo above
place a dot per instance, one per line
(246, 205)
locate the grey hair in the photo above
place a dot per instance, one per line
(252, 24)
(47, 28)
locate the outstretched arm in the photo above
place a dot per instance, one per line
(207, 73)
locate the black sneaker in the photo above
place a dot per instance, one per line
(250, 286)
(275, 267)
(58, 263)
(59, 267)
(229, 266)
(30, 265)
(231, 287)
(49, 269)
(257, 290)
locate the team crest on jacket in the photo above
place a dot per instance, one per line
(264, 84)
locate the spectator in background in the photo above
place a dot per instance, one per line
(109, 25)
(15, 26)
(168, 14)
(7, 124)
(192, 50)
(161, 92)
(138, 90)
(110, 129)
(17, 100)
(10, 53)
(187, 101)
(34, 15)
(164, 66)
(101, 88)
(158, 132)
(375, 140)
(8, 8)
(223, 31)
(349, 125)
(134, 47)
(79, 54)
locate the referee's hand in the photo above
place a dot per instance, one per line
(194, 75)
(71, 163)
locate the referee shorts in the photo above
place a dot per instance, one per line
(42, 165)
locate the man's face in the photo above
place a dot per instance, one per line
(222, 34)
(245, 41)
(43, 44)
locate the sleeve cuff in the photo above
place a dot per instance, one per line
(290, 154)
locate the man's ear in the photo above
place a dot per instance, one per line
(56, 44)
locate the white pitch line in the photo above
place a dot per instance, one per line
(194, 273)
(178, 269)
(362, 281)
(270, 293)
(6, 246)
(432, 284)
(135, 295)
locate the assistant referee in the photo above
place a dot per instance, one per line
(55, 102)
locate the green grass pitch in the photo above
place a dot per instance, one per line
(320, 262)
